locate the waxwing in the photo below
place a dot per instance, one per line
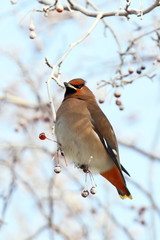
(86, 136)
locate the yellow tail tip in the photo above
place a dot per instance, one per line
(130, 197)
(125, 196)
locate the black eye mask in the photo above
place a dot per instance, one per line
(78, 86)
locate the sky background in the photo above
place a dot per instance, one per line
(94, 59)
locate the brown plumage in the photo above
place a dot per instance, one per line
(87, 137)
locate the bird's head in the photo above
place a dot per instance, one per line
(76, 88)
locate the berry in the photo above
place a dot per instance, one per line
(121, 107)
(143, 67)
(101, 101)
(117, 94)
(139, 71)
(13, 1)
(59, 7)
(131, 70)
(31, 27)
(32, 35)
(118, 102)
(57, 169)
(46, 119)
(42, 136)
(85, 193)
(93, 190)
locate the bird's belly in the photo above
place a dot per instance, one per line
(83, 149)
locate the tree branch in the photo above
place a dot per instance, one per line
(58, 65)
(89, 13)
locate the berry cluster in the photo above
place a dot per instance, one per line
(32, 34)
(85, 192)
(118, 102)
(42, 136)
(57, 168)
(138, 71)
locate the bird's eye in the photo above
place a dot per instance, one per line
(78, 86)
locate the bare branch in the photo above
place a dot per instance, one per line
(139, 150)
(89, 13)
(58, 65)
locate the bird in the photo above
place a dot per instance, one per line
(86, 136)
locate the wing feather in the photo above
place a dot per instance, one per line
(103, 128)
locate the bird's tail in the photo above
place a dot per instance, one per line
(123, 195)
(115, 177)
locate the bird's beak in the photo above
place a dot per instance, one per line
(68, 85)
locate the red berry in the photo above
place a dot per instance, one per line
(59, 10)
(59, 7)
(42, 136)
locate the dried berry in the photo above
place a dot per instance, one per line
(143, 67)
(101, 101)
(93, 190)
(57, 169)
(118, 102)
(31, 26)
(13, 1)
(117, 94)
(131, 70)
(139, 71)
(121, 107)
(85, 193)
(32, 35)
(46, 119)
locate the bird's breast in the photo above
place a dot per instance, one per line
(80, 143)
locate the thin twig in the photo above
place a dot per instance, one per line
(58, 65)
(123, 82)
(139, 150)
(89, 13)
(114, 36)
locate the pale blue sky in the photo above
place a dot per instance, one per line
(93, 60)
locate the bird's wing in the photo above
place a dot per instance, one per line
(103, 128)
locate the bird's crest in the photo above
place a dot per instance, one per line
(77, 82)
